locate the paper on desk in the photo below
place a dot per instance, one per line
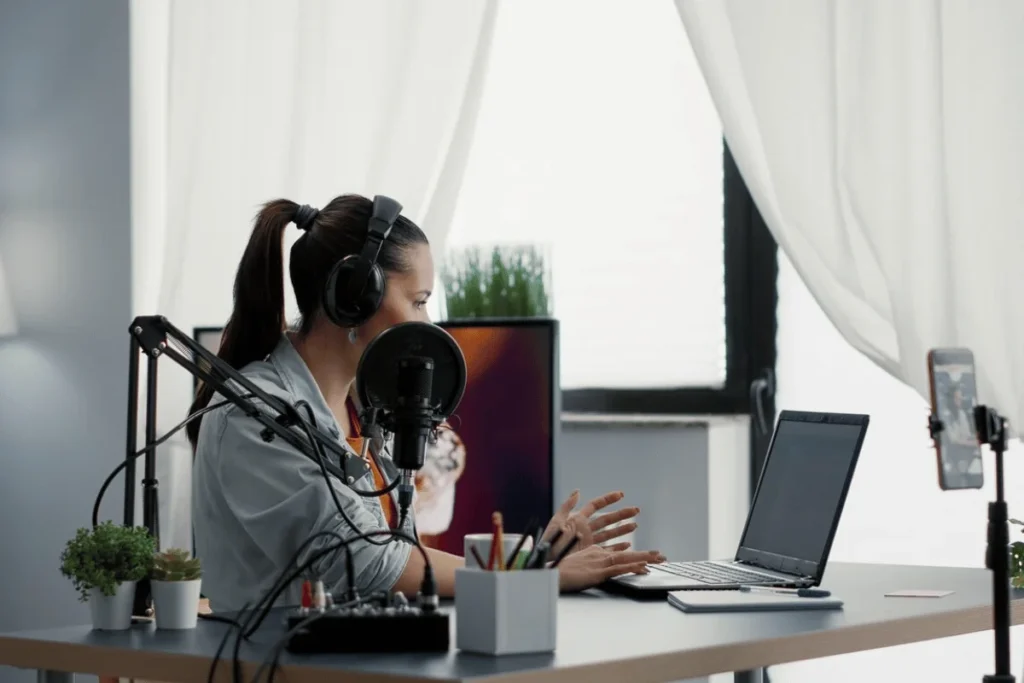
(918, 594)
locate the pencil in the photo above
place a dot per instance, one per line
(498, 542)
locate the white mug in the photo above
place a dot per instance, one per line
(482, 543)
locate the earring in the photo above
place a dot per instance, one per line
(352, 336)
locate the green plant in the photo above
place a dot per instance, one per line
(1017, 558)
(106, 556)
(175, 564)
(510, 282)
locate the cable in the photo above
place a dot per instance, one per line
(250, 624)
(320, 459)
(312, 419)
(138, 454)
(272, 659)
(223, 643)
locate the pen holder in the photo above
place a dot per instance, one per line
(504, 613)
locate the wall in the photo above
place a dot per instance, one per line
(688, 476)
(65, 239)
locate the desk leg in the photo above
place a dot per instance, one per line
(44, 676)
(752, 676)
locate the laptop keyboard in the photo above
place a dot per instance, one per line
(711, 572)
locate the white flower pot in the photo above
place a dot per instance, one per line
(176, 603)
(112, 612)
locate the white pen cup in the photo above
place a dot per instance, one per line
(482, 544)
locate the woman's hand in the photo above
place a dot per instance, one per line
(591, 530)
(593, 565)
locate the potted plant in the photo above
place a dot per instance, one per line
(509, 282)
(1017, 559)
(175, 579)
(105, 563)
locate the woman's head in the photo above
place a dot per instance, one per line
(336, 231)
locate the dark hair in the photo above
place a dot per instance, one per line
(258, 318)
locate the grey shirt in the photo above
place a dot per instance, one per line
(255, 503)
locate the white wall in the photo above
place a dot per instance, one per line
(65, 239)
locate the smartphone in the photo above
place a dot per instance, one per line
(953, 397)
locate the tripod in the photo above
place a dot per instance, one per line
(991, 428)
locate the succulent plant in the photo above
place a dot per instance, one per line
(176, 564)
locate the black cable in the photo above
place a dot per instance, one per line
(293, 415)
(263, 607)
(159, 442)
(320, 459)
(224, 642)
(273, 657)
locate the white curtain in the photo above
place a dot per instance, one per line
(881, 141)
(237, 102)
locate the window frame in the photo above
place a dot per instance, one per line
(751, 295)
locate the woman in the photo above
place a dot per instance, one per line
(256, 502)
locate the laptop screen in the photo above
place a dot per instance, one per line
(802, 491)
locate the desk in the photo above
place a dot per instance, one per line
(601, 639)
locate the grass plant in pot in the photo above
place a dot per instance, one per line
(104, 564)
(505, 281)
(176, 580)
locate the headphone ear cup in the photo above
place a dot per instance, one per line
(373, 293)
(337, 305)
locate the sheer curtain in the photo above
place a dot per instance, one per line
(600, 149)
(239, 101)
(881, 141)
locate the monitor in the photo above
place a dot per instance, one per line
(499, 451)
(802, 491)
(499, 455)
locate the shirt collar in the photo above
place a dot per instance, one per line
(299, 382)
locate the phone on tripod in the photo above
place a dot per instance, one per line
(954, 395)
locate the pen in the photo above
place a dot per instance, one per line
(566, 550)
(476, 556)
(511, 561)
(799, 592)
(528, 562)
(542, 555)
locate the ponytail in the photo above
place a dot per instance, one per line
(258, 317)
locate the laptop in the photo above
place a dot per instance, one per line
(793, 517)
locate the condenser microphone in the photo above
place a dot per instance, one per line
(411, 378)
(413, 421)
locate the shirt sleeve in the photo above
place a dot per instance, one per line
(280, 498)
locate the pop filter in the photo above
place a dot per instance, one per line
(377, 377)
(410, 378)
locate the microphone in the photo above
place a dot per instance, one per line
(410, 379)
(413, 422)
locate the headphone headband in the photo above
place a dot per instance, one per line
(385, 212)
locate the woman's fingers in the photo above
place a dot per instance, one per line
(601, 502)
(618, 547)
(614, 532)
(569, 504)
(607, 519)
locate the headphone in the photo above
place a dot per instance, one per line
(355, 286)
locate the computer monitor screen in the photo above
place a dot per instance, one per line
(503, 434)
(498, 454)
(803, 486)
